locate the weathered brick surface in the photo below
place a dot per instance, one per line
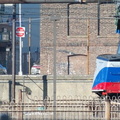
(80, 39)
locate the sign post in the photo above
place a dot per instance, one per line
(20, 32)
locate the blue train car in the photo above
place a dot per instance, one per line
(107, 75)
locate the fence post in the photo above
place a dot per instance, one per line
(107, 109)
(20, 109)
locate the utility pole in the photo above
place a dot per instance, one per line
(54, 18)
(13, 51)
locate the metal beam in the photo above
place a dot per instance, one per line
(13, 52)
(52, 1)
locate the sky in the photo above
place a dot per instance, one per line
(31, 11)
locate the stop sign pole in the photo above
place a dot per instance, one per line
(20, 42)
(20, 32)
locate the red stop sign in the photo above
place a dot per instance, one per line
(20, 32)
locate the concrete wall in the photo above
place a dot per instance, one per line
(42, 86)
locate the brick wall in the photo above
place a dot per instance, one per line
(76, 36)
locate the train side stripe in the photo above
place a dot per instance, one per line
(107, 74)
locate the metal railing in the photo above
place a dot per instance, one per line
(67, 108)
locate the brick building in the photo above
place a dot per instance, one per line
(83, 31)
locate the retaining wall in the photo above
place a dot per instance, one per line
(38, 86)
